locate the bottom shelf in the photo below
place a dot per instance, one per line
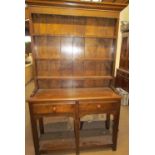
(65, 141)
(57, 141)
(57, 146)
(95, 138)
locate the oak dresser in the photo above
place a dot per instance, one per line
(74, 48)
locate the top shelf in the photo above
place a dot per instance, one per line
(66, 35)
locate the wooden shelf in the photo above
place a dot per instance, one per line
(67, 142)
(74, 77)
(67, 35)
(77, 59)
(89, 138)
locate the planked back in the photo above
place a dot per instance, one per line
(73, 51)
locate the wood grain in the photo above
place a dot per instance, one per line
(74, 94)
(74, 55)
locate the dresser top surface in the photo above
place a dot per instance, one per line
(73, 94)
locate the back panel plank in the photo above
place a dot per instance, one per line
(73, 26)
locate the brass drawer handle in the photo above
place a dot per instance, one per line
(98, 106)
(54, 108)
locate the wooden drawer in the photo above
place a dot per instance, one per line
(52, 108)
(98, 107)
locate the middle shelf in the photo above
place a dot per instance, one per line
(77, 59)
(74, 77)
(75, 35)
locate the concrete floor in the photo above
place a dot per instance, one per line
(123, 135)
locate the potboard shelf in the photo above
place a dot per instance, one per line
(67, 142)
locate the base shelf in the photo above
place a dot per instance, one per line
(65, 141)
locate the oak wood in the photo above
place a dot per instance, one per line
(74, 77)
(72, 94)
(115, 46)
(107, 123)
(96, 107)
(48, 108)
(34, 131)
(78, 4)
(41, 125)
(115, 129)
(63, 50)
(32, 47)
(50, 142)
(74, 47)
(77, 127)
(77, 35)
(77, 59)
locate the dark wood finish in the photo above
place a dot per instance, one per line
(115, 129)
(107, 123)
(73, 45)
(34, 131)
(77, 127)
(124, 57)
(41, 125)
(122, 77)
(27, 31)
(27, 27)
(117, 1)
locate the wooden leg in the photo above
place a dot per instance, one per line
(107, 123)
(115, 131)
(77, 127)
(34, 132)
(41, 125)
(76, 131)
(81, 125)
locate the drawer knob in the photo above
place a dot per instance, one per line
(54, 108)
(98, 106)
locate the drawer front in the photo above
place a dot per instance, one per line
(51, 108)
(98, 107)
